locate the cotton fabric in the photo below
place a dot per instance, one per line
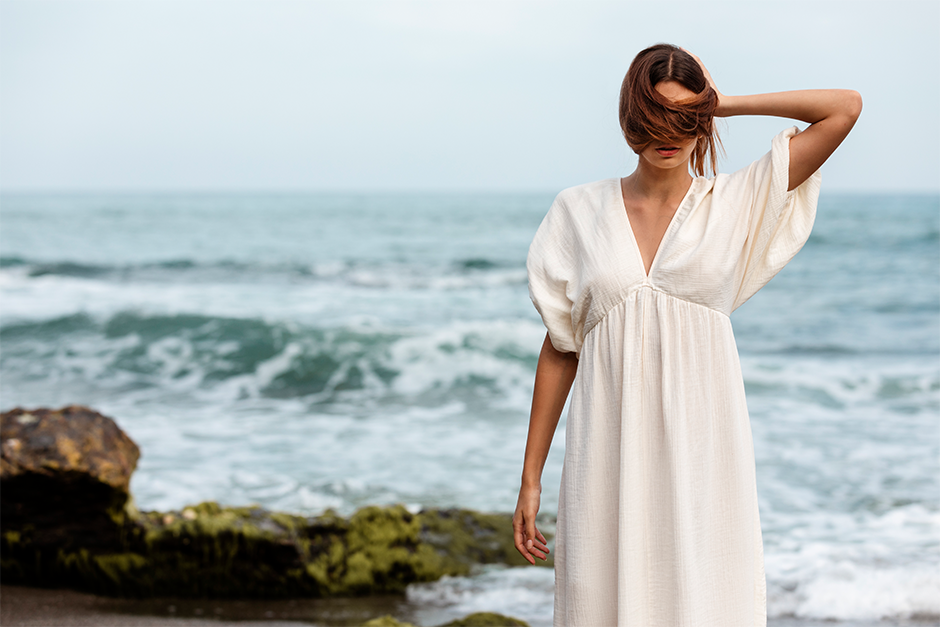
(658, 522)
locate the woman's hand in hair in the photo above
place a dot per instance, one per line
(711, 82)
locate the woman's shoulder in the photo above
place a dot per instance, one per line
(593, 193)
(759, 172)
(577, 209)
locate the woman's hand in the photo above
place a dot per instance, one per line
(719, 112)
(529, 540)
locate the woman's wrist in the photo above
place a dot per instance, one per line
(727, 106)
(529, 484)
(750, 104)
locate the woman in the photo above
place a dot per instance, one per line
(635, 279)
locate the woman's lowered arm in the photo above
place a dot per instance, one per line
(553, 377)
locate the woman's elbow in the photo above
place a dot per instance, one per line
(853, 104)
(845, 111)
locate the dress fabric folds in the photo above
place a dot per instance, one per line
(658, 522)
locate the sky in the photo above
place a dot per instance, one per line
(268, 95)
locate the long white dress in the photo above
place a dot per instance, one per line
(658, 522)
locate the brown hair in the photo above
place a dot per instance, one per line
(646, 116)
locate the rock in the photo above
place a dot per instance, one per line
(486, 619)
(65, 476)
(67, 521)
(249, 551)
(478, 619)
(386, 621)
(71, 440)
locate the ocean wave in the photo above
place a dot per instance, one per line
(850, 240)
(247, 357)
(12, 261)
(842, 383)
(285, 359)
(446, 275)
(51, 329)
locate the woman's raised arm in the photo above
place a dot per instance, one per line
(831, 114)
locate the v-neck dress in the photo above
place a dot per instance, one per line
(658, 522)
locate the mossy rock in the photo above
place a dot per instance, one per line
(69, 521)
(486, 619)
(478, 619)
(207, 550)
(386, 621)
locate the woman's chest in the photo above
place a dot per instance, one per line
(694, 257)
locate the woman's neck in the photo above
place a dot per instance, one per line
(658, 184)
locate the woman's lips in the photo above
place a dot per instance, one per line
(667, 151)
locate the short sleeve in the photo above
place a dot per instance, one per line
(778, 221)
(550, 267)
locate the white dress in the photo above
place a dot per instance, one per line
(657, 516)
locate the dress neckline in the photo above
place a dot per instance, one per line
(675, 219)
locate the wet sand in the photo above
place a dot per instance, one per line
(36, 607)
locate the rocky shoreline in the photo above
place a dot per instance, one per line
(67, 519)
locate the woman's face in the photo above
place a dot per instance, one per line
(675, 153)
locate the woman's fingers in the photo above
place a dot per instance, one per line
(528, 540)
(530, 532)
(535, 541)
(538, 542)
(518, 532)
(721, 110)
(537, 549)
(708, 77)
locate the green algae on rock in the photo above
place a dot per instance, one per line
(207, 550)
(486, 619)
(478, 619)
(386, 621)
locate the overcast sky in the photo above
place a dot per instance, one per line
(443, 95)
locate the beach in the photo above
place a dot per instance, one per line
(35, 607)
(309, 352)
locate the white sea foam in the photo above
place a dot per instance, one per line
(464, 350)
(845, 590)
(524, 593)
(836, 590)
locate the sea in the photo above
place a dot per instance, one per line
(332, 350)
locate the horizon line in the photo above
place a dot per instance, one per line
(171, 191)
